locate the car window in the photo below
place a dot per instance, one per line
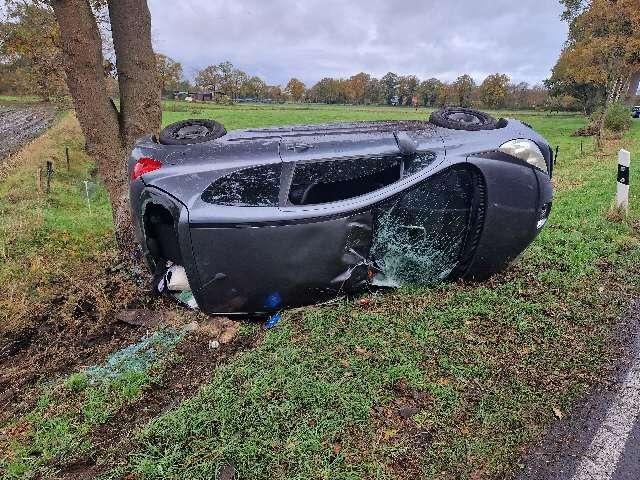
(420, 235)
(321, 182)
(251, 187)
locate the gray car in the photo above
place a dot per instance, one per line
(268, 218)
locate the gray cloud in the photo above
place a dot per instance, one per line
(310, 39)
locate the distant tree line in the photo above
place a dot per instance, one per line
(496, 91)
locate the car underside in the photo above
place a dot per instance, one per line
(271, 218)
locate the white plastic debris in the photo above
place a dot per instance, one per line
(175, 278)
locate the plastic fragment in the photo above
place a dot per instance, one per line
(186, 297)
(176, 278)
(272, 321)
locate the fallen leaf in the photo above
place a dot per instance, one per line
(227, 473)
(389, 433)
(476, 475)
(336, 448)
(222, 329)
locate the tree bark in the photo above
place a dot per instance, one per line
(633, 86)
(138, 77)
(83, 62)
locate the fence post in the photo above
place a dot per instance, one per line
(622, 196)
(49, 175)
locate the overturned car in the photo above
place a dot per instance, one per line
(270, 218)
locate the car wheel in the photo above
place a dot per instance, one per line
(188, 132)
(463, 119)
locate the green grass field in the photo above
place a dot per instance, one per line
(22, 99)
(448, 382)
(252, 115)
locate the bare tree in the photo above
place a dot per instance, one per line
(110, 132)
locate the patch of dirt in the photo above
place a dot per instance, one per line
(197, 360)
(75, 327)
(20, 124)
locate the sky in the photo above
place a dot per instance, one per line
(312, 39)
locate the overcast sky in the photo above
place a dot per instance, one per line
(311, 39)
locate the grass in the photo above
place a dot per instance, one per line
(19, 99)
(252, 115)
(44, 237)
(452, 381)
(59, 428)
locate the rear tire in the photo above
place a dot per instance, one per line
(188, 132)
(457, 118)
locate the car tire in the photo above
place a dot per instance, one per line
(458, 118)
(188, 132)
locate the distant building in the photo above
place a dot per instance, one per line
(198, 96)
(202, 96)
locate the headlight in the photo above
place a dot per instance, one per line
(525, 150)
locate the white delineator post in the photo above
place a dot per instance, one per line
(622, 196)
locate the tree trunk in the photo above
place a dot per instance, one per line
(612, 86)
(109, 133)
(82, 48)
(138, 77)
(633, 86)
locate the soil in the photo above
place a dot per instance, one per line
(50, 344)
(19, 124)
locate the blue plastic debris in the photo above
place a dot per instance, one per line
(273, 301)
(272, 321)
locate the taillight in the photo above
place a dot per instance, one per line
(144, 165)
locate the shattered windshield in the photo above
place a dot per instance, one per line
(419, 237)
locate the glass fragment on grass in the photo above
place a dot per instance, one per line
(136, 358)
